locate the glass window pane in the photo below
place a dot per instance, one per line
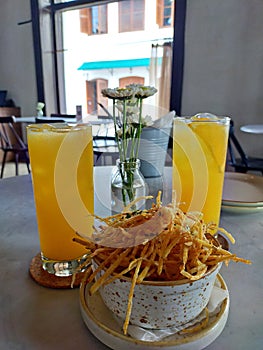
(110, 53)
(165, 13)
(95, 19)
(131, 15)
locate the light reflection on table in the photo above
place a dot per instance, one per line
(252, 128)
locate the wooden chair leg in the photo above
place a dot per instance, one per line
(240, 170)
(3, 164)
(16, 161)
(98, 159)
(28, 167)
(27, 162)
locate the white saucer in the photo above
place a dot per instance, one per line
(100, 321)
(235, 209)
(242, 190)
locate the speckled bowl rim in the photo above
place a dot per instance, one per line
(184, 340)
(172, 283)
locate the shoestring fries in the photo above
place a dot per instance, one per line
(174, 246)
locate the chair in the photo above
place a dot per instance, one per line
(56, 115)
(242, 163)
(104, 146)
(46, 120)
(10, 141)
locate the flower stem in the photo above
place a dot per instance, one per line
(139, 131)
(124, 138)
(115, 128)
(127, 169)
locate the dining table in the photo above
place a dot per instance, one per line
(93, 120)
(34, 317)
(102, 126)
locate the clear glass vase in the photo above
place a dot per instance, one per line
(127, 184)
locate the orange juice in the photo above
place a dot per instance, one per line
(199, 156)
(61, 159)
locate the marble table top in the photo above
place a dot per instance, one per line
(37, 318)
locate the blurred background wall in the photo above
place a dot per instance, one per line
(223, 69)
(17, 67)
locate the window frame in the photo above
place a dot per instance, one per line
(53, 9)
(160, 15)
(132, 79)
(92, 93)
(130, 12)
(86, 20)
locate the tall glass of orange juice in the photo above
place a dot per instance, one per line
(199, 156)
(61, 158)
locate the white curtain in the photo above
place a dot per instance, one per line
(165, 78)
(154, 75)
(160, 77)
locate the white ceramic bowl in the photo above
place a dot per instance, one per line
(158, 305)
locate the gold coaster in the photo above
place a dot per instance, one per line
(48, 280)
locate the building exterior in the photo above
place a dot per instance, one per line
(111, 45)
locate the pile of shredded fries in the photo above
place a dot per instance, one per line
(158, 244)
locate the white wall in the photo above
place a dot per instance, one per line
(17, 67)
(223, 70)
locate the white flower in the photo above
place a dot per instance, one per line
(141, 91)
(40, 106)
(117, 93)
(127, 116)
(131, 108)
(147, 121)
(133, 118)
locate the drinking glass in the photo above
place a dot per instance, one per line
(199, 157)
(61, 158)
